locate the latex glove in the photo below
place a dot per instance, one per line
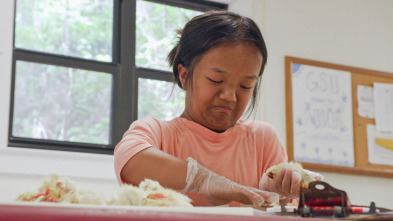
(315, 175)
(220, 190)
(286, 182)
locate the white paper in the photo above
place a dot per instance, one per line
(383, 98)
(322, 115)
(365, 101)
(379, 154)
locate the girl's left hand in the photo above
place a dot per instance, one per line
(286, 183)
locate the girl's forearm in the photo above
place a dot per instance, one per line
(154, 164)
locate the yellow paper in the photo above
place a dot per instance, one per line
(384, 142)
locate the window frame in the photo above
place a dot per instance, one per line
(125, 75)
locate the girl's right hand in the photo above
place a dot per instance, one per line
(220, 190)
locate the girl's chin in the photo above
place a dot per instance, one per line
(219, 128)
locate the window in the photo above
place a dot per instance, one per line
(84, 70)
(155, 37)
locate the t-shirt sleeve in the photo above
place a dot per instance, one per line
(142, 134)
(273, 151)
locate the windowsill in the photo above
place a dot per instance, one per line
(16, 160)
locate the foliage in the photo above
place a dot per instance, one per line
(156, 28)
(157, 99)
(79, 28)
(60, 103)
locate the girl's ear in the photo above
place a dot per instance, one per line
(182, 75)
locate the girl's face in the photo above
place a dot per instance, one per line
(223, 83)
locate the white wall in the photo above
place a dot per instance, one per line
(353, 32)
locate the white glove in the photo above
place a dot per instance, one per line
(286, 182)
(315, 175)
(220, 190)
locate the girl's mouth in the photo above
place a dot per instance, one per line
(223, 108)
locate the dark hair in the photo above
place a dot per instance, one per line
(209, 29)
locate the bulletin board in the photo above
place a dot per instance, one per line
(324, 129)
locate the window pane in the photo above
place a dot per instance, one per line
(156, 99)
(156, 26)
(59, 103)
(79, 28)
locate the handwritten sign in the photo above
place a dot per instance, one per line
(322, 115)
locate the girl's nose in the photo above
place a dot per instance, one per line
(228, 94)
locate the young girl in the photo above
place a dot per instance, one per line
(208, 152)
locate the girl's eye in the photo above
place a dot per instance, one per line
(216, 82)
(244, 87)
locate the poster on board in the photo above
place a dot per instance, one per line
(322, 115)
(380, 146)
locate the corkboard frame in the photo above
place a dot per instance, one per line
(359, 76)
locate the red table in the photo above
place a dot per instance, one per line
(46, 212)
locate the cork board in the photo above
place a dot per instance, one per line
(324, 130)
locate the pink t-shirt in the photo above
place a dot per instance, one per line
(242, 153)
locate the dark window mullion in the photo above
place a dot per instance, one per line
(116, 60)
(192, 4)
(126, 83)
(70, 62)
(59, 145)
(116, 32)
(154, 74)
